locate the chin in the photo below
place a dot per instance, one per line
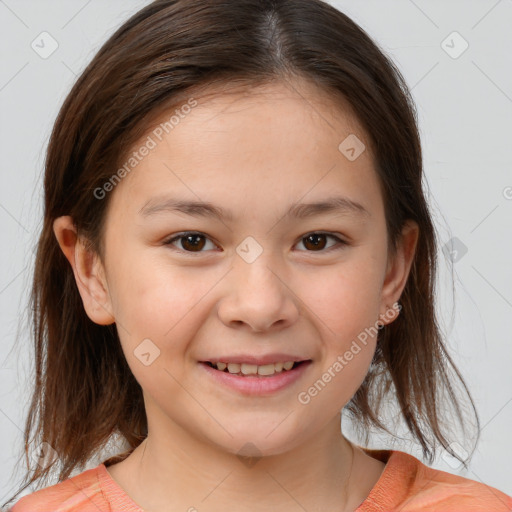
(256, 442)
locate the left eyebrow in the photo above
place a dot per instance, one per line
(333, 205)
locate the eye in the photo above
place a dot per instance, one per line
(317, 241)
(194, 242)
(190, 241)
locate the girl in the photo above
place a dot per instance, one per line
(237, 247)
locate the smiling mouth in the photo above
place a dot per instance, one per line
(248, 370)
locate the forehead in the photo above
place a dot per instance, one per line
(240, 145)
(275, 105)
(304, 97)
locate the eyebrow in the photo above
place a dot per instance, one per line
(332, 205)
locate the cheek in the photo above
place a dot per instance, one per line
(162, 302)
(151, 295)
(342, 371)
(344, 298)
(156, 321)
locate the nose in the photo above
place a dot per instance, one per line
(259, 300)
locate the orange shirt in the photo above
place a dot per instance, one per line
(405, 485)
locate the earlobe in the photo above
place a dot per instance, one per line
(88, 271)
(399, 267)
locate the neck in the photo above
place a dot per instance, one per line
(170, 470)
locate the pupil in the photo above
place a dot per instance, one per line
(315, 237)
(193, 245)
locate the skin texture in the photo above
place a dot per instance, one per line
(252, 152)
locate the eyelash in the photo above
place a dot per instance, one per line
(340, 245)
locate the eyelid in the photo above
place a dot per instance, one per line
(341, 243)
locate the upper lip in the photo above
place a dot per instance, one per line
(257, 360)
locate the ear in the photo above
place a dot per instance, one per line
(88, 270)
(398, 269)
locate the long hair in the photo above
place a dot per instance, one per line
(84, 392)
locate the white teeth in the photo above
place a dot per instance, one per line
(233, 368)
(266, 369)
(253, 369)
(249, 369)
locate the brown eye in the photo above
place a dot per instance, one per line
(193, 242)
(316, 242)
(189, 242)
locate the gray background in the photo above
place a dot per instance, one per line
(465, 112)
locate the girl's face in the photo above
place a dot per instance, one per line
(262, 278)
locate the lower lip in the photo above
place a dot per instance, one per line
(257, 384)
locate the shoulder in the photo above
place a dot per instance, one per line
(79, 493)
(408, 485)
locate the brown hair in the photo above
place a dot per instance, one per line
(84, 390)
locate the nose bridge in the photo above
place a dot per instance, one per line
(259, 296)
(257, 268)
